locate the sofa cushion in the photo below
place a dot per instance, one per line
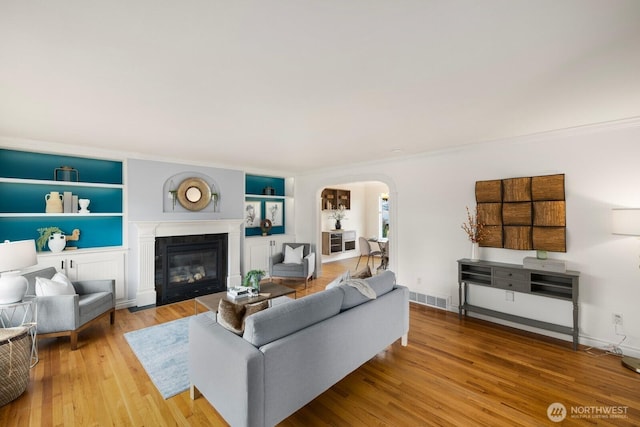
(285, 319)
(381, 284)
(231, 316)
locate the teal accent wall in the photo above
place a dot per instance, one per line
(254, 184)
(257, 231)
(18, 198)
(23, 207)
(95, 232)
(29, 165)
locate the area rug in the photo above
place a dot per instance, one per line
(163, 351)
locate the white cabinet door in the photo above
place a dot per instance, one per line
(90, 266)
(258, 250)
(99, 266)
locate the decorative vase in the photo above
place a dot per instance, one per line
(475, 250)
(255, 284)
(338, 224)
(13, 288)
(53, 202)
(57, 242)
(84, 205)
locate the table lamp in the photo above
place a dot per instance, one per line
(13, 257)
(627, 222)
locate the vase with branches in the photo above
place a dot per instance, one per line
(475, 230)
(338, 215)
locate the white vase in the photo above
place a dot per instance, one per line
(12, 287)
(57, 242)
(475, 251)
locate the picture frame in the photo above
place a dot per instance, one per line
(252, 213)
(273, 211)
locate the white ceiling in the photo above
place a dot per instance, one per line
(297, 85)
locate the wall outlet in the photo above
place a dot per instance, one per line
(617, 319)
(419, 280)
(509, 295)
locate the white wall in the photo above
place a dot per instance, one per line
(428, 195)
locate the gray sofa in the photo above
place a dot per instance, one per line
(292, 352)
(67, 315)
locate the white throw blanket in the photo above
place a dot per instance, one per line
(361, 286)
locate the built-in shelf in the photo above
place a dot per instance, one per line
(27, 177)
(332, 199)
(262, 190)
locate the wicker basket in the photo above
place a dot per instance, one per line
(15, 357)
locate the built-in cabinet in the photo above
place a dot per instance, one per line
(338, 241)
(258, 250)
(335, 198)
(516, 278)
(89, 265)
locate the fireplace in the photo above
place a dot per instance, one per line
(189, 265)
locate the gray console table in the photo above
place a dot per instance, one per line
(516, 278)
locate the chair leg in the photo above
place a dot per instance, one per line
(74, 340)
(359, 258)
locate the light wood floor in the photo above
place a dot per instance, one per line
(453, 372)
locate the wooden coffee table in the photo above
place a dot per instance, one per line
(268, 291)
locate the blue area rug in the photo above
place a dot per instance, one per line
(163, 351)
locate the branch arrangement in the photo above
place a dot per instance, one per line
(475, 229)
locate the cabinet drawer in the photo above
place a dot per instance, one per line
(510, 274)
(510, 284)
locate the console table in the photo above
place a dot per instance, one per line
(516, 278)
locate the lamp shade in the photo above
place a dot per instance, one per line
(626, 222)
(17, 255)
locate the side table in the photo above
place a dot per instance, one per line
(23, 313)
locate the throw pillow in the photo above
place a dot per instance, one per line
(61, 278)
(362, 274)
(232, 316)
(338, 280)
(50, 287)
(293, 256)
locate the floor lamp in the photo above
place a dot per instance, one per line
(627, 223)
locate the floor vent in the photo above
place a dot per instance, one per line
(430, 300)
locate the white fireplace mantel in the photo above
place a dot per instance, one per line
(149, 230)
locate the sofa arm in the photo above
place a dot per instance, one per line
(58, 313)
(227, 370)
(275, 259)
(310, 261)
(84, 287)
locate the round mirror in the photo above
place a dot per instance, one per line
(193, 194)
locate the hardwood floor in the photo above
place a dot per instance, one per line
(453, 372)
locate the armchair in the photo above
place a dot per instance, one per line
(305, 268)
(68, 315)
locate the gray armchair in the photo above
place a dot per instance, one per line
(306, 269)
(67, 315)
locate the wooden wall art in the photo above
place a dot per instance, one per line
(523, 213)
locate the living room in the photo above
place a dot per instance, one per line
(557, 111)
